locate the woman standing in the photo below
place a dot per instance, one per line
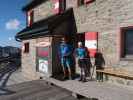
(99, 63)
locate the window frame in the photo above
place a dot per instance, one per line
(26, 47)
(30, 14)
(80, 3)
(123, 42)
(62, 6)
(88, 1)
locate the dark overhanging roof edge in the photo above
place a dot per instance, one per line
(33, 31)
(32, 4)
(28, 36)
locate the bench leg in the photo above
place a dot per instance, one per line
(106, 77)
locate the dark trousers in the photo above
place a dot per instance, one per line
(99, 75)
(82, 64)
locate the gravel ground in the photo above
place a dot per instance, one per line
(36, 90)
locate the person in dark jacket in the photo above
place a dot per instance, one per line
(99, 63)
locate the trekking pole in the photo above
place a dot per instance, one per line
(93, 71)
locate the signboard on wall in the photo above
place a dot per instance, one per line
(43, 59)
(91, 39)
(43, 44)
(43, 65)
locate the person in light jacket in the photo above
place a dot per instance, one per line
(81, 54)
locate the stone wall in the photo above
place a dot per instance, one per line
(71, 4)
(106, 17)
(29, 60)
(102, 16)
(43, 11)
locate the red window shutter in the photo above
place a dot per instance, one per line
(30, 17)
(122, 43)
(88, 1)
(59, 6)
(56, 8)
(91, 42)
(25, 47)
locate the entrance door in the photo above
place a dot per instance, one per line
(91, 42)
(81, 38)
(56, 65)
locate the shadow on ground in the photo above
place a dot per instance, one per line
(6, 70)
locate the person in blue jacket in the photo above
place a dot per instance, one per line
(66, 58)
(81, 54)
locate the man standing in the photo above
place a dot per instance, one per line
(81, 54)
(66, 58)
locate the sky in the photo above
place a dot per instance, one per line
(12, 20)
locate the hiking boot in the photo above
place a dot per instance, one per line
(84, 79)
(70, 78)
(65, 77)
(80, 79)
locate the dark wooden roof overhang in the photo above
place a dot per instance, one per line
(45, 26)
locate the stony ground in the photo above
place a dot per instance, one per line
(14, 86)
(35, 90)
(97, 90)
(10, 74)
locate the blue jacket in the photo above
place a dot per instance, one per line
(65, 50)
(81, 53)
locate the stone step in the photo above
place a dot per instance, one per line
(92, 89)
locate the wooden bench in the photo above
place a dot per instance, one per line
(117, 72)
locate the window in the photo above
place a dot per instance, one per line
(59, 6)
(62, 5)
(88, 1)
(26, 47)
(127, 42)
(30, 18)
(81, 37)
(80, 2)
